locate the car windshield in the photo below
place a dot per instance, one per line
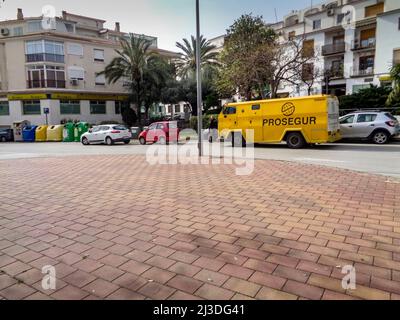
(390, 116)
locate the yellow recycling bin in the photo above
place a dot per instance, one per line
(55, 133)
(41, 134)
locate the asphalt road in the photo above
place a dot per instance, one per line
(362, 157)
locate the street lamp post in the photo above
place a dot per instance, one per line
(199, 90)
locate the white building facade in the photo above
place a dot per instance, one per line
(356, 43)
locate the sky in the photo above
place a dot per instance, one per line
(169, 20)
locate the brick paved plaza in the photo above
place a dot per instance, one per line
(116, 228)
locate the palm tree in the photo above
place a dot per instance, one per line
(138, 65)
(186, 65)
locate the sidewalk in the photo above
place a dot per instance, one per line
(116, 228)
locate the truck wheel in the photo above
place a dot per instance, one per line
(295, 140)
(3, 139)
(237, 140)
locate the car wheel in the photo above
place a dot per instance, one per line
(295, 140)
(127, 141)
(85, 141)
(380, 137)
(109, 141)
(3, 139)
(142, 141)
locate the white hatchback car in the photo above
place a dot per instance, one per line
(106, 134)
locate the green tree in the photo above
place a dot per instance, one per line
(394, 97)
(187, 65)
(245, 58)
(140, 66)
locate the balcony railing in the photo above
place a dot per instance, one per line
(364, 44)
(363, 72)
(333, 48)
(46, 84)
(41, 57)
(335, 73)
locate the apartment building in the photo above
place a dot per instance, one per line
(49, 69)
(356, 43)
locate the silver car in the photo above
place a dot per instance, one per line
(378, 127)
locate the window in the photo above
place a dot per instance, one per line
(121, 128)
(317, 24)
(363, 118)
(371, 11)
(44, 50)
(70, 107)
(256, 107)
(308, 71)
(98, 55)
(177, 108)
(31, 107)
(396, 56)
(76, 73)
(75, 49)
(348, 120)
(4, 108)
(119, 106)
(308, 48)
(35, 26)
(358, 87)
(18, 31)
(339, 18)
(292, 35)
(45, 76)
(69, 27)
(100, 79)
(367, 63)
(153, 126)
(98, 107)
(230, 110)
(160, 126)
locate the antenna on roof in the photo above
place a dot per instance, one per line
(276, 15)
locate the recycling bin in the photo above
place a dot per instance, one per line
(18, 126)
(69, 132)
(55, 133)
(80, 129)
(135, 132)
(28, 133)
(41, 134)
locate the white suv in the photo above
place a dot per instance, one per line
(378, 127)
(108, 134)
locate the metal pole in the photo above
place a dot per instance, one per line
(199, 90)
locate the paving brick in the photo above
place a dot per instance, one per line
(272, 294)
(186, 284)
(101, 288)
(303, 290)
(184, 269)
(70, 293)
(210, 292)
(156, 291)
(108, 273)
(215, 278)
(125, 294)
(237, 271)
(268, 280)
(158, 275)
(79, 278)
(241, 286)
(290, 273)
(17, 292)
(208, 263)
(369, 293)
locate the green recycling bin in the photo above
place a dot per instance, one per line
(69, 132)
(80, 129)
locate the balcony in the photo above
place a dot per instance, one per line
(45, 57)
(46, 84)
(363, 72)
(335, 73)
(330, 49)
(363, 44)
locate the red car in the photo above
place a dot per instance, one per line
(164, 132)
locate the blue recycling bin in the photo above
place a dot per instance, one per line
(28, 133)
